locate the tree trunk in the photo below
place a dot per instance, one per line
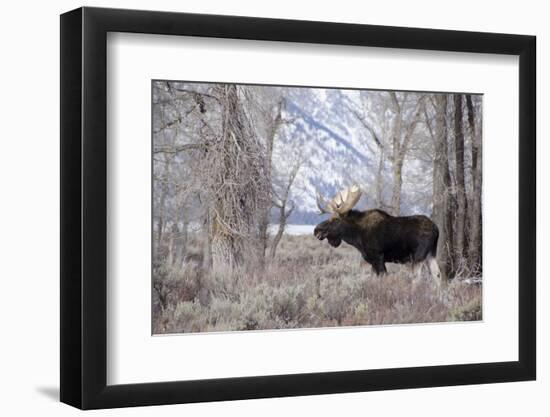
(181, 242)
(273, 127)
(237, 185)
(397, 158)
(397, 185)
(162, 201)
(460, 231)
(441, 186)
(227, 240)
(282, 204)
(283, 216)
(379, 185)
(206, 243)
(475, 249)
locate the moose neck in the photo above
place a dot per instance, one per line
(351, 232)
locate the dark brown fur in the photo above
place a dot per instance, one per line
(381, 237)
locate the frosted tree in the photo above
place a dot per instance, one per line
(460, 187)
(442, 206)
(373, 113)
(391, 120)
(236, 181)
(473, 104)
(408, 110)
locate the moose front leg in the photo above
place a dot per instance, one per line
(376, 261)
(379, 266)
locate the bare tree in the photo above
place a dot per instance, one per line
(476, 170)
(373, 117)
(163, 189)
(460, 243)
(285, 207)
(236, 179)
(273, 119)
(181, 135)
(403, 129)
(441, 188)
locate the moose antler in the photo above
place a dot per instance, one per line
(324, 206)
(342, 202)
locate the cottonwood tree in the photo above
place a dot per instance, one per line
(391, 119)
(267, 107)
(372, 113)
(285, 207)
(181, 133)
(225, 141)
(473, 104)
(442, 206)
(460, 187)
(457, 181)
(236, 181)
(408, 109)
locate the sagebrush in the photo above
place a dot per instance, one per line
(306, 285)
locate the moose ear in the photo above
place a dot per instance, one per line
(337, 216)
(341, 215)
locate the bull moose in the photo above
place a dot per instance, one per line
(379, 236)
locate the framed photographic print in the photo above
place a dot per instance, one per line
(257, 208)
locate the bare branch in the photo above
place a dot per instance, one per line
(180, 148)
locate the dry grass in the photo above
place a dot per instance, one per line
(309, 284)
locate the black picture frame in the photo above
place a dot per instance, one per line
(84, 207)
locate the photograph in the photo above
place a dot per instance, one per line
(290, 207)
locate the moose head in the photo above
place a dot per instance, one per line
(340, 223)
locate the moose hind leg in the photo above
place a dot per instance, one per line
(416, 269)
(435, 272)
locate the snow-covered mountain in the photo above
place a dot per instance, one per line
(336, 151)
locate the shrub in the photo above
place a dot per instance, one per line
(308, 284)
(469, 312)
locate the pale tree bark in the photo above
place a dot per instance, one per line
(397, 184)
(285, 208)
(397, 157)
(401, 138)
(379, 177)
(274, 122)
(206, 242)
(180, 238)
(236, 181)
(162, 200)
(379, 138)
